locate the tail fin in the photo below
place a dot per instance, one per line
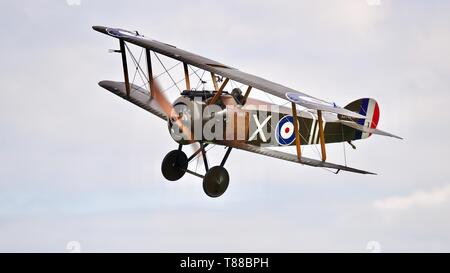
(369, 108)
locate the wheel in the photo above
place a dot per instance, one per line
(174, 165)
(216, 181)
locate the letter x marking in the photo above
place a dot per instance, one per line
(259, 130)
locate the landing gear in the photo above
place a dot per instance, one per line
(174, 165)
(215, 181)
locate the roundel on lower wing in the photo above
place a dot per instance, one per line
(284, 133)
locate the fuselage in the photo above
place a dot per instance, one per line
(257, 122)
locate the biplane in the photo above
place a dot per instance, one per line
(233, 119)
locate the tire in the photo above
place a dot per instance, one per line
(216, 181)
(174, 165)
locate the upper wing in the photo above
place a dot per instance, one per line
(220, 69)
(138, 96)
(292, 157)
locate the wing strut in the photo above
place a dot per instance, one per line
(186, 77)
(296, 132)
(218, 90)
(321, 135)
(125, 66)
(150, 71)
(247, 93)
(214, 80)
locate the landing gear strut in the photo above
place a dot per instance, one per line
(215, 181)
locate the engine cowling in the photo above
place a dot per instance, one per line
(189, 114)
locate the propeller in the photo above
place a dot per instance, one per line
(170, 112)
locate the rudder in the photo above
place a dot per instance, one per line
(369, 108)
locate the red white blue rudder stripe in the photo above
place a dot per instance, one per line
(369, 108)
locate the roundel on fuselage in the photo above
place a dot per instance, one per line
(284, 132)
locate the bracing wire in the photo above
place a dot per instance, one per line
(170, 76)
(136, 63)
(179, 81)
(137, 68)
(172, 67)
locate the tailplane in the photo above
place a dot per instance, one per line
(367, 126)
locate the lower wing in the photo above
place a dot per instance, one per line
(138, 96)
(292, 157)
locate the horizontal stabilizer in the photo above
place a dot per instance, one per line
(368, 130)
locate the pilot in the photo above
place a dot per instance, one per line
(236, 93)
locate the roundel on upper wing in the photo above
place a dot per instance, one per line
(284, 132)
(121, 33)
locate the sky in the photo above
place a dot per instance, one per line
(80, 167)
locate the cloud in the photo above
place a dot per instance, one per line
(420, 198)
